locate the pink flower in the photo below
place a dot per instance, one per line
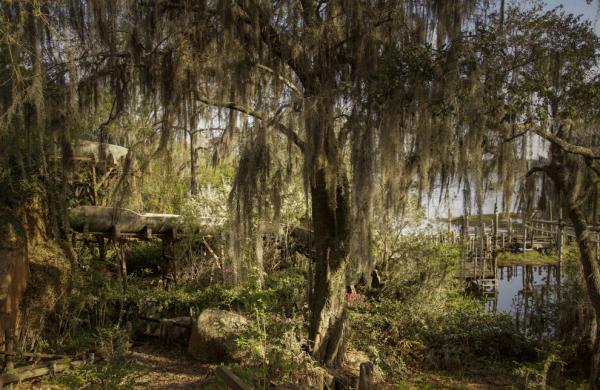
(351, 298)
(355, 298)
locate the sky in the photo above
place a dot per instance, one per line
(434, 209)
(579, 7)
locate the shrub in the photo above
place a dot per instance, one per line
(116, 370)
(422, 318)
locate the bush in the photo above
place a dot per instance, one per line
(423, 319)
(145, 258)
(116, 370)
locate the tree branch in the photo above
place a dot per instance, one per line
(289, 133)
(271, 37)
(590, 164)
(309, 12)
(515, 136)
(286, 81)
(566, 146)
(537, 169)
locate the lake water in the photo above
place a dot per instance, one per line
(528, 293)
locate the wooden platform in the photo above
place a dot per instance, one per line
(480, 246)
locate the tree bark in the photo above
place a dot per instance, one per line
(327, 332)
(591, 270)
(193, 163)
(595, 363)
(564, 170)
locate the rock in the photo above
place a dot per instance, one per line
(174, 331)
(213, 336)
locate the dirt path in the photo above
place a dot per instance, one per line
(170, 369)
(492, 379)
(162, 369)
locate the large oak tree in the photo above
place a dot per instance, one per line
(365, 91)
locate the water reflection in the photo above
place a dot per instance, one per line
(528, 293)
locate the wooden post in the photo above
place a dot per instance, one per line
(147, 233)
(466, 225)
(450, 238)
(483, 265)
(559, 237)
(9, 339)
(122, 264)
(495, 226)
(115, 233)
(101, 247)
(533, 229)
(94, 191)
(509, 229)
(365, 381)
(475, 262)
(524, 235)
(482, 248)
(495, 252)
(482, 237)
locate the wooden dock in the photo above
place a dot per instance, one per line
(481, 245)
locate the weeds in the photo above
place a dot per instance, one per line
(116, 370)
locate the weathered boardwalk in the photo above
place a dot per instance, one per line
(120, 225)
(480, 246)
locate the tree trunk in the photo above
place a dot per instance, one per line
(591, 270)
(595, 364)
(328, 323)
(193, 163)
(259, 253)
(564, 170)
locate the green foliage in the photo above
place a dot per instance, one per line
(541, 373)
(216, 176)
(527, 258)
(422, 318)
(144, 258)
(164, 192)
(147, 296)
(444, 333)
(116, 370)
(93, 302)
(288, 287)
(272, 344)
(282, 291)
(212, 200)
(400, 65)
(433, 99)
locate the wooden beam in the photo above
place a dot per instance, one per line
(171, 322)
(38, 371)
(34, 355)
(232, 381)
